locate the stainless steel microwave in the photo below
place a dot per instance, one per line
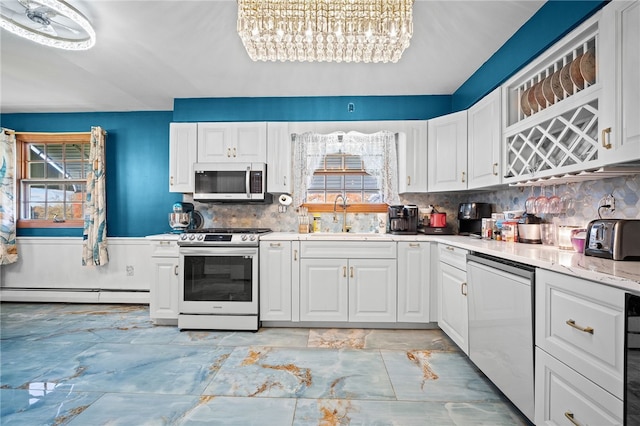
(230, 182)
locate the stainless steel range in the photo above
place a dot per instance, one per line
(219, 279)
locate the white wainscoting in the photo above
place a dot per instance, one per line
(50, 270)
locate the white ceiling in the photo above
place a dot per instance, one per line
(149, 52)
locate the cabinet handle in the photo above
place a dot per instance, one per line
(463, 289)
(295, 255)
(171, 180)
(234, 151)
(175, 270)
(228, 152)
(351, 272)
(569, 415)
(414, 244)
(604, 138)
(572, 323)
(449, 248)
(275, 244)
(495, 172)
(344, 271)
(408, 180)
(284, 180)
(463, 177)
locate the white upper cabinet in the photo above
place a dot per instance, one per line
(183, 142)
(279, 158)
(236, 142)
(412, 157)
(484, 142)
(619, 68)
(447, 152)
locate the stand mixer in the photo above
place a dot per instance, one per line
(180, 219)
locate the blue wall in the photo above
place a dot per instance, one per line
(138, 142)
(138, 197)
(552, 21)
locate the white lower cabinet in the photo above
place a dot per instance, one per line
(348, 281)
(275, 280)
(453, 314)
(579, 351)
(165, 284)
(414, 269)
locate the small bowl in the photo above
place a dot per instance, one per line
(578, 237)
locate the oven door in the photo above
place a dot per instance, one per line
(219, 280)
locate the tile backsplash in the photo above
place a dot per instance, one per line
(582, 207)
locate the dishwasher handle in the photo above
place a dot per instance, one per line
(512, 267)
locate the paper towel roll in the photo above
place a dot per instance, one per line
(285, 200)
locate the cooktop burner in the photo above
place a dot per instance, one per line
(230, 231)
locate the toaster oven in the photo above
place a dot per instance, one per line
(615, 239)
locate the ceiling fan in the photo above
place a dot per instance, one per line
(50, 22)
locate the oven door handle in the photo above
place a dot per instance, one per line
(218, 251)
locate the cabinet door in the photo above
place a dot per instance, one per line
(414, 260)
(323, 290)
(412, 158)
(165, 289)
(215, 141)
(453, 316)
(372, 290)
(250, 142)
(275, 281)
(183, 140)
(618, 67)
(447, 152)
(278, 158)
(483, 146)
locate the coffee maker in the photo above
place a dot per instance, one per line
(470, 217)
(402, 220)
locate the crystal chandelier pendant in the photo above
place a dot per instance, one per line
(325, 30)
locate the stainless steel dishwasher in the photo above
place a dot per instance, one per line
(500, 296)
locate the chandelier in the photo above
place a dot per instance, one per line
(52, 23)
(325, 30)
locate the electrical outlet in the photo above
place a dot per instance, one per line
(130, 270)
(607, 204)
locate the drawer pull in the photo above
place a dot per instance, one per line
(414, 244)
(275, 244)
(572, 323)
(450, 248)
(463, 289)
(569, 415)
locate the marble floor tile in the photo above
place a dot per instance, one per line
(84, 364)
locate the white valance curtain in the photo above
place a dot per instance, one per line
(95, 220)
(378, 153)
(8, 248)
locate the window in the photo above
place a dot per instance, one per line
(52, 172)
(362, 168)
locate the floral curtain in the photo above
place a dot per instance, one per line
(8, 248)
(95, 220)
(378, 152)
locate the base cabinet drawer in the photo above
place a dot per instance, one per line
(565, 397)
(581, 323)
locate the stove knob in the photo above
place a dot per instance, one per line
(183, 237)
(252, 237)
(243, 238)
(200, 237)
(192, 237)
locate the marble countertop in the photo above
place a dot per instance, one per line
(621, 274)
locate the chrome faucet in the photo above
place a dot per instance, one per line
(345, 228)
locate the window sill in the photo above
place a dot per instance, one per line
(351, 208)
(49, 224)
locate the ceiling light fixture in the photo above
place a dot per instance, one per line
(325, 30)
(52, 23)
